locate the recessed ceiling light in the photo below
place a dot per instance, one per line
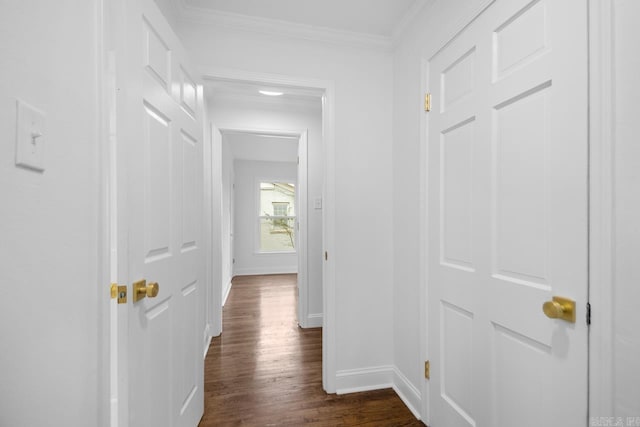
(270, 93)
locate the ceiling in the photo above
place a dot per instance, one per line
(377, 21)
(373, 17)
(378, 18)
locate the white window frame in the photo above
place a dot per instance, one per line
(260, 217)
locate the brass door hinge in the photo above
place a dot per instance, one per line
(427, 102)
(119, 292)
(427, 372)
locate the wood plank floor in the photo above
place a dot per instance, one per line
(265, 371)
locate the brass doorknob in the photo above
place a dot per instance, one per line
(141, 290)
(560, 308)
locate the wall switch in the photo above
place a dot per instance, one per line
(317, 203)
(30, 136)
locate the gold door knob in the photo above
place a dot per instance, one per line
(142, 290)
(560, 308)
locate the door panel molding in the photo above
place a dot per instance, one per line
(156, 212)
(519, 84)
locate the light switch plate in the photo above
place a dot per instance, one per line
(30, 136)
(317, 203)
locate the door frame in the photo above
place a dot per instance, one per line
(301, 212)
(105, 43)
(602, 140)
(113, 384)
(327, 87)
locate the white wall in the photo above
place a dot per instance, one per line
(248, 260)
(49, 310)
(363, 232)
(239, 114)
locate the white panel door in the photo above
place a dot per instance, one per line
(508, 218)
(164, 185)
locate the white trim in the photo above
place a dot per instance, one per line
(327, 89)
(216, 229)
(226, 291)
(260, 271)
(207, 342)
(314, 320)
(260, 253)
(207, 212)
(107, 406)
(379, 378)
(194, 15)
(329, 369)
(302, 232)
(357, 380)
(407, 392)
(112, 67)
(423, 229)
(601, 209)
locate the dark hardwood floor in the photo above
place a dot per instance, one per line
(265, 371)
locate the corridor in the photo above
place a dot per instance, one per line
(265, 371)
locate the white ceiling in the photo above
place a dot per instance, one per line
(374, 17)
(269, 148)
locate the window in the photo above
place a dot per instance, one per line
(280, 208)
(277, 218)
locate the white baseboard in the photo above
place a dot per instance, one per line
(314, 320)
(290, 269)
(207, 345)
(377, 378)
(227, 289)
(356, 380)
(409, 394)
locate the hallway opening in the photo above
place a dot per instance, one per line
(257, 141)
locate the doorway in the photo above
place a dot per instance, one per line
(238, 113)
(264, 208)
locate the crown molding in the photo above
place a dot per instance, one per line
(408, 17)
(194, 15)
